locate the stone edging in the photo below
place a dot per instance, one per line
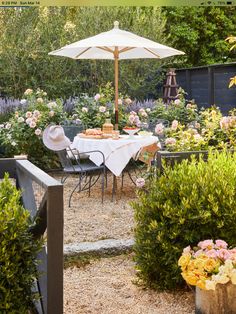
(101, 247)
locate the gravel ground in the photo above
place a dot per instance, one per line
(89, 220)
(106, 286)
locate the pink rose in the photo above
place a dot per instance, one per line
(174, 125)
(170, 141)
(206, 244)
(221, 244)
(159, 129)
(97, 97)
(140, 182)
(224, 254)
(211, 253)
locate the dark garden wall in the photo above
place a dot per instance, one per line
(208, 85)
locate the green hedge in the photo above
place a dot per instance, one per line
(17, 253)
(191, 202)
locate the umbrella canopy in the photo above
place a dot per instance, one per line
(116, 44)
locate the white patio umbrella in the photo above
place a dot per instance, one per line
(116, 44)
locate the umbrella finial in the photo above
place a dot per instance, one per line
(116, 24)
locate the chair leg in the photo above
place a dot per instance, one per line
(89, 189)
(114, 187)
(79, 184)
(122, 180)
(103, 179)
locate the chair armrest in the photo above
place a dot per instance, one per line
(96, 151)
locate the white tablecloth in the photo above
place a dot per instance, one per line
(117, 152)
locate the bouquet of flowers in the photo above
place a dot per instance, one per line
(132, 121)
(208, 264)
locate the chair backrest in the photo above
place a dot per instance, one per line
(65, 159)
(72, 130)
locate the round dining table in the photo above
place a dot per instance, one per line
(117, 152)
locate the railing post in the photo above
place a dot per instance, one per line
(55, 250)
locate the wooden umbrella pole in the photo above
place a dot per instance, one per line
(116, 56)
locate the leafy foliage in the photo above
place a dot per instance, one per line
(22, 134)
(29, 34)
(200, 32)
(17, 253)
(189, 202)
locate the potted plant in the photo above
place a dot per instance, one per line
(211, 267)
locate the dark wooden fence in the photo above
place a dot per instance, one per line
(208, 85)
(43, 197)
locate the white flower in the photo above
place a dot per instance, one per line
(40, 100)
(21, 119)
(9, 136)
(177, 101)
(36, 113)
(144, 114)
(148, 109)
(28, 114)
(159, 129)
(23, 101)
(32, 125)
(13, 143)
(44, 94)
(51, 113)
(52, 105)
(97, 97)
(140, 182)
(119, 101)
(128, 101)
(233, 276)
(8, 126)
(84, 109)
(28, 121)
(197, 137)
(102, 109)
(223, 279)
(1, 126)
(28, 91)
(210, 285)
(38, 132)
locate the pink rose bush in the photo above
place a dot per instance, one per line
(209, 264)
(22, 134)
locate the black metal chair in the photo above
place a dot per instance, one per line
(86, 169)
(72, 130)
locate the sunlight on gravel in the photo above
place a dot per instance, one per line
(106, 287)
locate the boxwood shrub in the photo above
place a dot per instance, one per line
(17, 252)
(190, 202)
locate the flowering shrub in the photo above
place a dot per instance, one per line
(23, 132)
(208, 264)
(190, 201)
(93, 111)
(180, 109)
(211, 129)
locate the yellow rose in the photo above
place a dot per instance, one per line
(211, 264)
(190, 278)
(201, 284)
(184, 260)
(199, 263)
